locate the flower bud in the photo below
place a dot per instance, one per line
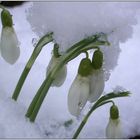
(114, 128)
(114, 112)
(6, 18)
(85, 67)
(97, 59)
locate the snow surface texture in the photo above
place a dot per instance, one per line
(73, 21)
(53, 114)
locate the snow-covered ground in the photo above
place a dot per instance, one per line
(51, 120)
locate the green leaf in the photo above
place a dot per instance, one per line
(111, 96)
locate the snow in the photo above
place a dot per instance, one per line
(118, 89)
(54, 112)
(70, 23)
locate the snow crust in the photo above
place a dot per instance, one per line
(72, 21)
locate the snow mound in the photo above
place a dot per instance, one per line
(73, 21)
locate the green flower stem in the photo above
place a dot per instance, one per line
(31, 107)
(103, 100)
(42, 92)
(35, 99)
(86, 47)
(23, 77)
(42, 42)
(40, 100)
(86, 118)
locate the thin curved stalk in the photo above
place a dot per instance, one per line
(23, 76)
(42, 42)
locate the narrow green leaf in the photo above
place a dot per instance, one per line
(111, 96)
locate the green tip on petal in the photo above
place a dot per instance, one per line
(6, 18)
(97, 59)
(85, 67)
(56, 50)
(114, 112)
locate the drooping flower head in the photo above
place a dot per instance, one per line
(97, 82)
(114, 129)
(79, 90)
(61, 75)
(9, 44)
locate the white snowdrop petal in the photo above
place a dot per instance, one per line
(97, 84)
(9, 45)
(61, 75)
(78, 95)
(113, 129)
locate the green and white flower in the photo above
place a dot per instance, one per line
(78, 95)
(61, 75)
(9, 45)
(79, 90)
(114, 129)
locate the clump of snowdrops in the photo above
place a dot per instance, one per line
(88, 84)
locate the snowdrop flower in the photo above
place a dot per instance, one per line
(114, 129)
(78, 95)
(97, 81)
(9, 45)
(61, 76)
(97, 84)
(79, 90)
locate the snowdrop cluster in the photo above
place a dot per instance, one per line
(88, 84)
(71, 24)
(9, 44)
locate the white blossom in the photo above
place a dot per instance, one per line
(97, 84)
(9, 45)
(61, 75)
(114, 129)
(78, 95)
